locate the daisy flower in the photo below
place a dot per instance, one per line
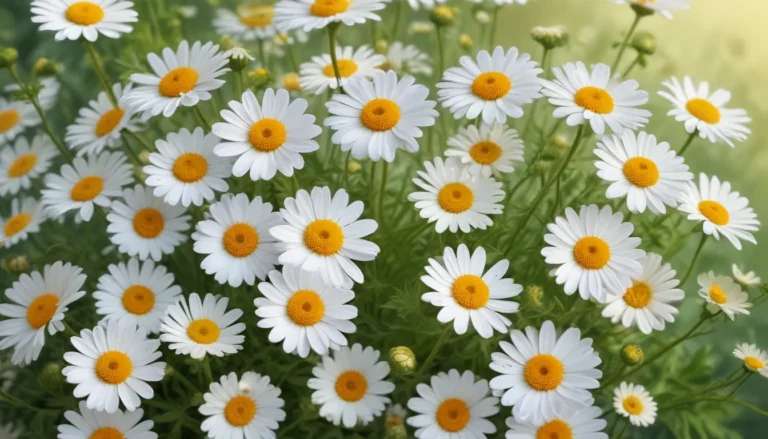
(23, 162)
(15, 117)
(137, 292)
(250, 22)
(113, 364)
(745, 279)
(545, 376)
(663, 7)
(317, 14)
(582, 424)
(71, 19)
(394, 417)
(407, 59)
(304, 312)
(428, 4)
(184, 77)
(318, 75)
(453, 198)
(250, 407)
(722, 212)
(100, 124)
(266, 137)
(488, 149)
(203, 327)
(594, 252)
(583, 97)
(755, 360)
(647, 303)
(185, 170)
(349, 386)
(634, 402)
(705, 113)
(496, 86)
(374, 118)
(96, 424)
(141, 224)
(39, 302)
(722, 293)
(324, 234)
(26, 216)
(49, 90)
(86, 182)
(237, 240)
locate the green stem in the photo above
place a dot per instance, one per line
(635, 62)
(263, 55)
(688, 273)
(435, 350)
(98, 67)
(615, 377)
(535, 105)
(68, 330)
(18, 402)
(207, 370)
(398, 18)
(738, 386)
(138, 138)
(382, 191)
(201, 118)
(154, 22)
(345, 175)
(623, 430)
(687, 143)
(131, 153)
(440, 51)
(624, 43)
(494, 22)
(333, 28)
(291, 57)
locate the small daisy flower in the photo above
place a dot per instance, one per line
(24, 162)
(317, 14)
(496, 86)
(722, 293)
(634, 402)
(141, 224)
(755, 359)
(488, 149)
(185, 170)
(428, 4)
(349, 386)
(594, 98)
(97, 424)
(26, 216)
(101, 124)
(266, 137)
(394, 417)
(49, 90)
(722, 211)
(324, 234)
(15, 117)
(250, 22)
(545, 376)
(184, 77)
(137, 292)
(250, 407)
(745, 279)
(454, 199)
(375, 118)
(317, 76)
(237, 240)
(705, 113)
(594, 252)
(582, 424)
(304, 312)
(407, 59)
(112, 365)
(39, 302)
(71, 19)
(203, 327)
(663, 7)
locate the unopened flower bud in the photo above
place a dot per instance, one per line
(641, 10)
(239, 58)
(465, 41)
(543, 166)
(196, 399)
(402, 360)
(15, 264)
(227, 43)
(559, 141)
(394, 422)
(443, 16)
(168, 371)
(534, 293)
(550, 37)
(482, 17)
(382, 46)
(631, 355)
(45, 67)
(8, 57)
(354, 166)
(259, 77)
(421, 28)
(144, 156)
(396, 432)
(644, 42)
(50, 377)
(291, 82)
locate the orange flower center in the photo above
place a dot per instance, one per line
(267, 135)
(555, 429)
(703, 110)
(453, 415)
(106, 433)
(87, 188)
(754, 363)
(178, 81)
(324, 237)
(114, 367)
(148, 223)
(632, 405)
(203, 331)
(190, 167)
(351, 386)
(455, 198)
(347, 68)
(638, 295)
(9, 119)
(138, 299)
(240, 410)
(470, 291)
(592, 253)
(485, 152)
(240, 240)
(544, 372)
(717, 295)
(380, 114)
(305, 308)
(108, 121)
(490, 86)
(84, 13)
(715, 212)
(327, 8)
(641, 172)
(594, 99)
(16, 224)
(41, 310)
(22, 165)
(256, 15)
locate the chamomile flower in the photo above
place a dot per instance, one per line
(97, 424)
(203, 327)
(755, 359)
(581, 424)
(184, 77)
(721, 211)
(394, 417)
(113, 364)
(250, 22)
(137, 291)
(663, 7)
(304, 312)
(317, 14)
(375, 118)
(49, 90)
(722, 293)
(705, 113)
(15, 117)
(266, 137)
(545, 376)
(86, 182)
(318, 75)
(488, 149)
(185, 170)
(496, 86)
(634, 402)
(71, 19)
(428, 4)
(23, 162)
(39, 301)
(594, 251)
(349, 386)
(649, 174)
(26, 216)
(248, 407)
(593, 98)
(324, 234)
(141, 224)
(745, 279)
(407, 59)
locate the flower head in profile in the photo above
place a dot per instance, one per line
(745, 279)
(71, 19)
(25, 217)
(407, 59)
(249, 22)
(317, 14)
(100, 125)
(318, 75)
(755, 360)
(722, 293)
(88, 423)
(581, 424)
(634, 402)
(662, 7)
(15, 117)
(490, 149)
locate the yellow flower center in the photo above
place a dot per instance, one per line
(754, 363)
(292, 82)
(544, 372)
(455, 198)
(347, 68)
(703, 110)
(190, 167)
(84, 13)
(632, 405)
(380, 114)
(638, 295)
(240, 410)
(305, 308)
(452, 415)
(108, 121)
(106, 433)
(267, 135)
(41, 310)
(717, 295)
(256, 15)
(491, 86)
(324, 237)
(148, 223)
(715, 212)
(594, 99)
(138, 299)
(485, 152)
(203, 331)
(22, 165)
(9, 119)
(114, 367)
(178, 81)
(641, 172)
(327, 8)
(240, 240)
(87, 189)
(351, 386)
(592, 252)
(555, 429)
(16, 224)
(470, 291)
(392, 421)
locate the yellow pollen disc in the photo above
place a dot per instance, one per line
(267, 135)
(393, 421)
(9, 119)
(380, 114)
(717, 295)
(240, 410)
(490, 86)
(87, 189)
(351, 386)
(190, 167)
(327, 8)
(703, 110)
(108, 121)
(632, 405)
(106, 433)
(256, 15)
(470, 291)
(555, 429)
(305, 308)
(41, 310)
(148, 223)
(544, 372)
(324, 237)
(452, 415)
(592, 253)
(638, 295)
(347, 68)
(22, 165)
(594, 99)
(114, 367)
(178, 81)
(754, 363)
(16, 224)
(641, 172)
(240, 240)
(455, 198)
(485, 152)
(203, 331)
(138, 299)
(715, 212)
(84, 13)
(292, 82)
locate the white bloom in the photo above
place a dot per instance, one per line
(71, 19)
(15, 117)
(318, 75)
(49, 90)
(634, 402)
(582, 424)
(428, 4)
(250, 22)
(663, 7)
(407, 59)
(489, 149)
(745, 279)
(26, 216)
(317, 14)
(755, 360)
(97, 424)
(722, 293)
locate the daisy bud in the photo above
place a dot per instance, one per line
(227, 43)
(239, 58)
(187, 11)
(644, 43)
(560, 141)
(641, 11)
(354, 166)
(8, 57)
(550, 37)
(543, 166)
(421, 28)
(631, 355)
(259, 77)
(45, 67)
(443, 16)
(50, 378)
(144, 157)
(482, 17)
(291, 82)
(382, 46)
(402, 360)
(396, 432)
(534, 293)
(197, 399)
(15, 264)
(169, 371)
(465, 41)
